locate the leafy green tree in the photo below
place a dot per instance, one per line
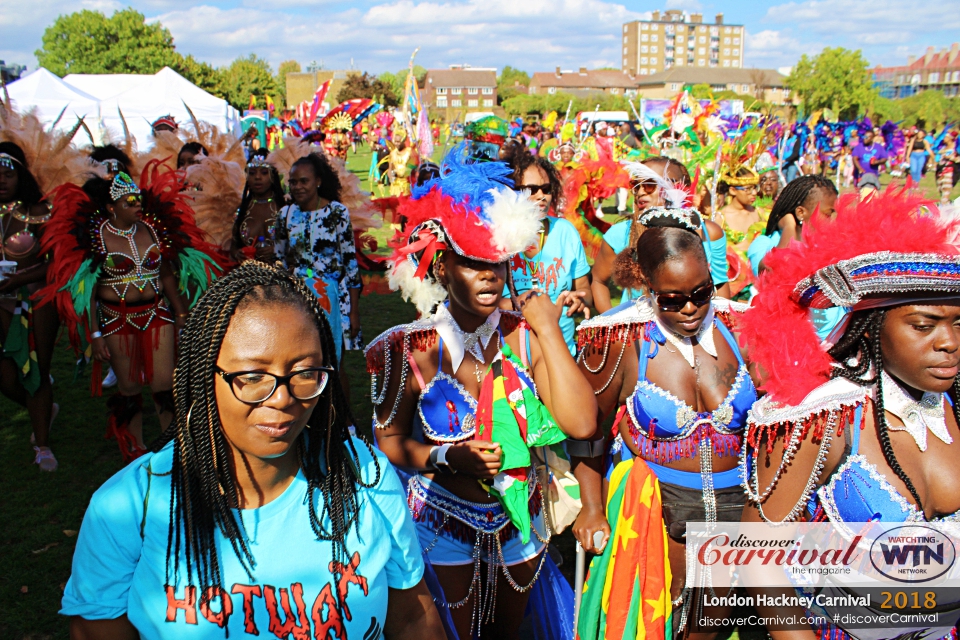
(201, 74)
(249, 76)
(701, 91)
(398, 80)
(885, 109)
(837, 79)
(508, 81)
(925, 109)
(287, 66)
(90, 42)
(367, 86)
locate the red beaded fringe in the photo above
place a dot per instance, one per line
(419, 341)
(595, 338)
(817, 422)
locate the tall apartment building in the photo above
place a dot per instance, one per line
(676, 39)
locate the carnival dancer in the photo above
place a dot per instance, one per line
(256, 220)
(314, 239)
(670, 363)
(122, 262)
(652, 180)
(861, 427)
(800, 200)
(29, 333)
(556, 263)
(257, 484)
(463, 393)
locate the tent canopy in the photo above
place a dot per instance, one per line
(166, 92)
(101, 98)
(49, 95)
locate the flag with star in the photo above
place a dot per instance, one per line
(627, 591)
(510, 414)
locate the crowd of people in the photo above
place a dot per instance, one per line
(731, 340)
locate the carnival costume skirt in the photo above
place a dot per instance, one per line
(138, 326)
(453, 531)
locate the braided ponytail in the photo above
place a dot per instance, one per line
(203, 491)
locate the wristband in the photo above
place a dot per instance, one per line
(584, 448)
(438, 458)
(95, 335)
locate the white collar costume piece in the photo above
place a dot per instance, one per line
(684, 344)
(917, 417)
(458, 341)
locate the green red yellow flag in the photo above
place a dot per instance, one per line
(627, 592)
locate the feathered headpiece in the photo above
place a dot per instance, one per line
(675, 195)
(471, 209)
(339, 122)
(881, 251)
(739, 156)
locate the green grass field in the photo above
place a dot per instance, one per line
(43, 511)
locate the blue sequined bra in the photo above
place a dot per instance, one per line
(858, 492)
(665, 428)
(446, 412)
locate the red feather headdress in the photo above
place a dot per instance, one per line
(777, 329)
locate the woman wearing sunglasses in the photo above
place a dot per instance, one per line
(556, 264)
(257, 512)
(671, 367)
(122, 263)
(651, 180)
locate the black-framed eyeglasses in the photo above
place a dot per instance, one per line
(534, 188)
(673, 302)
(254, 387)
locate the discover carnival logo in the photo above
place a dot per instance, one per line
(912, 553)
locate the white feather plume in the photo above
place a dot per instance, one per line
(674, 195)
(425, 294)
(515, 220)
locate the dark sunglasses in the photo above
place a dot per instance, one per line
(534, 188)
(647, 186)
(254, 387)
(673, 302)
(132, 199)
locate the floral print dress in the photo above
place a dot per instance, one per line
(318, 245)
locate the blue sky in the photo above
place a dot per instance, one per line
(534, 35)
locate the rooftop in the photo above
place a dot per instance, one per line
(461, 77)
(597, 78)
(713, 76)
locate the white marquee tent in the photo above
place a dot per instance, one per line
(140, 98)
(51, 97)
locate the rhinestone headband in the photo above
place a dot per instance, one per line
(259, 161)
(122, 185)
(8, 161)
(685, 217)
(884, 273)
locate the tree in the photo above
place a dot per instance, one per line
(508, 81)
(885, 109)
(248, 76)
(287, 66)
(398, 80)
(836, 79)
(367, 86)
(201, 74)
(90, 42)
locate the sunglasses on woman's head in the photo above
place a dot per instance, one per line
(647, 186)
(673, 302)
(534, 188)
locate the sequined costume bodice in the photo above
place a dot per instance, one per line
(138, 270)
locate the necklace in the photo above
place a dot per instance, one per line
(917, 417)
(459, 341)
(128, 233)
(10, 207)
(684, 344)
(258, 201)
(535, 261)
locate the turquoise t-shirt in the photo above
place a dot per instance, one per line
(618, 237)
(120, 558)
(759, 248)
(555, 268)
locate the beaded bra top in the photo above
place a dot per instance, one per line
(666, 428)
(136, 269)
(857, 491)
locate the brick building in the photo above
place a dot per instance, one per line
(768, 85)
(674, 38)
(939, 71)
(461, 87)
(583, 83)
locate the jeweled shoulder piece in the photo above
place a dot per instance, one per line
(885, 273)
(625, 322)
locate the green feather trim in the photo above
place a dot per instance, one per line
(197, 271)
(81, 287)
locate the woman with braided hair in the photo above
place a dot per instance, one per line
(797, 203)
(256, 220)
(256, 511)
(860, 427)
